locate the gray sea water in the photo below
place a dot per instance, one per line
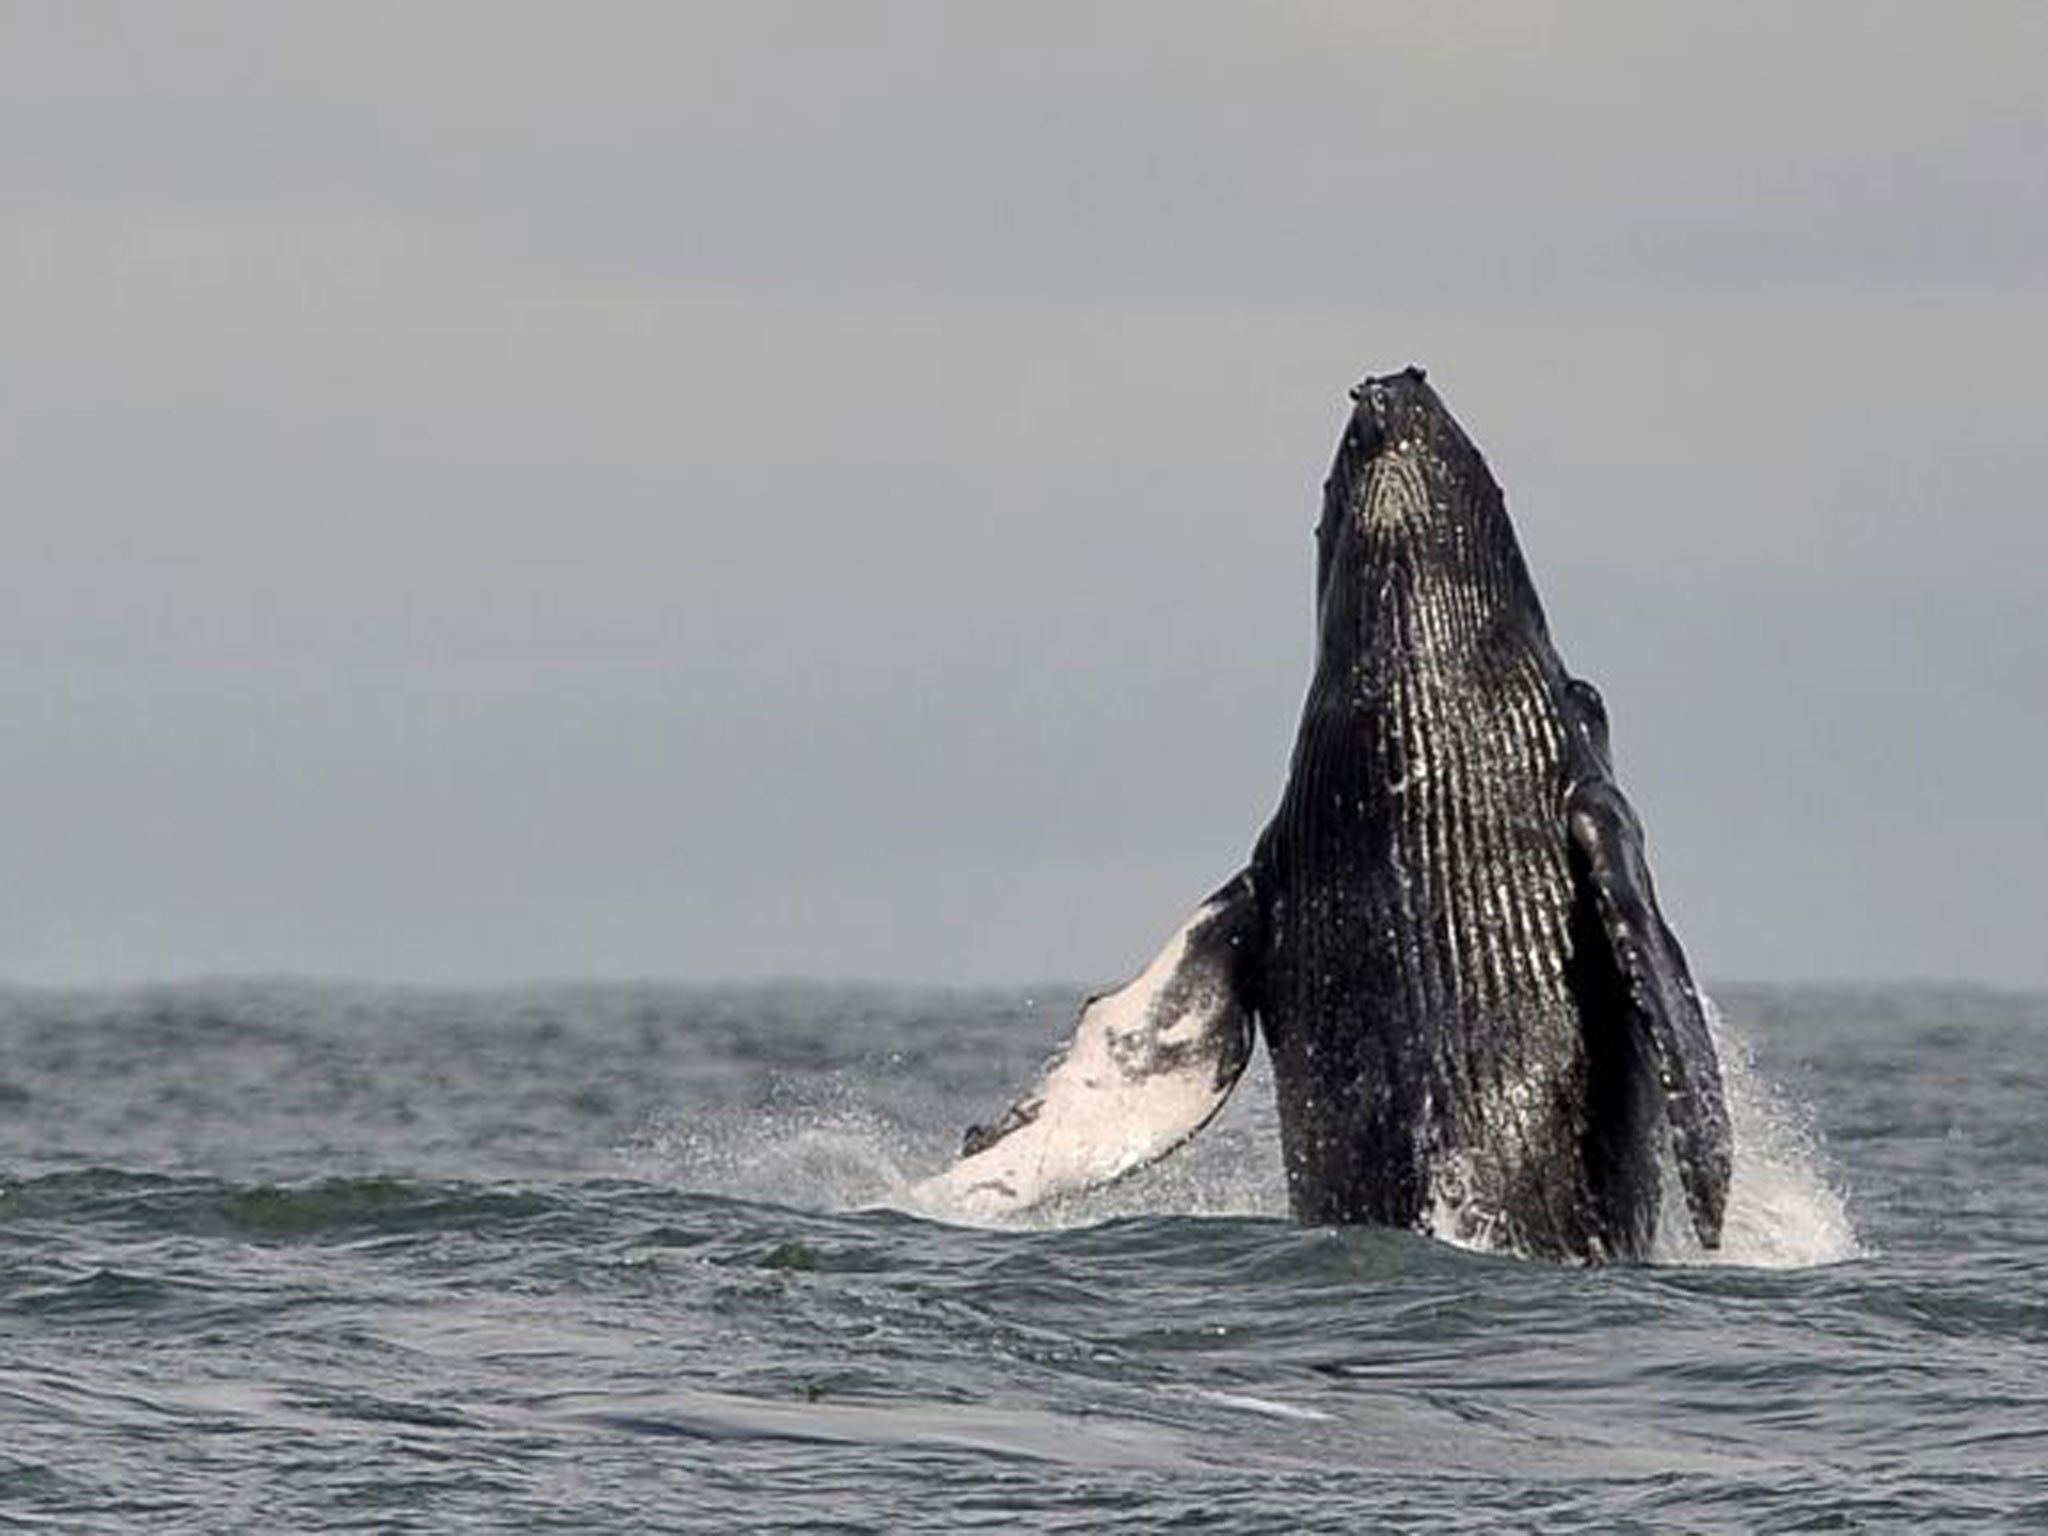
(311, 1257)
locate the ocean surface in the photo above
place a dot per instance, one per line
(298, 1257)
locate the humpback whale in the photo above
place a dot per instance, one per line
(1479, 1023)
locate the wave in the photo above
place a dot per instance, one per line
(335, 1208)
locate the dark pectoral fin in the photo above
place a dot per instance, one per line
(1659, 994)
(1147, 1067)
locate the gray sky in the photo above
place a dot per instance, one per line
(675, 490)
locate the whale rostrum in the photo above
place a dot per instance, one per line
(1479, 1023)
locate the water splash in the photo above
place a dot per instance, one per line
(828, 1144)
(1784, 1210)
(819, 1145)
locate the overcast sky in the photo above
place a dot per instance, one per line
(724, 490)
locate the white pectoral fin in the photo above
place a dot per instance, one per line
(1148, 1065)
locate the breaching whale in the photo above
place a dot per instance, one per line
(1479, 1023)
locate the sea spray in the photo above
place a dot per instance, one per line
(820, 1143)
(1784, 1211)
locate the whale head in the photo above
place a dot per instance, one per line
(1415, 553)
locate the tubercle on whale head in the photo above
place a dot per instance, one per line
(1394, 417)
(1410, 501)
(1375, 395)
(1397, 415)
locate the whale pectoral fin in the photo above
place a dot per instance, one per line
(1660, 998)
(1148, 1065)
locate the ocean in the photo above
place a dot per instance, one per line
(311, 1257)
